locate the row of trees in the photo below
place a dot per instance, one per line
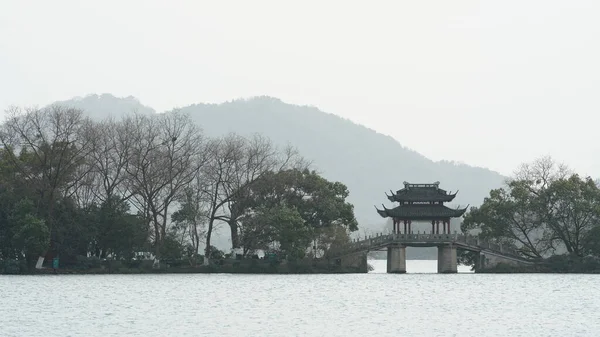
(70, 186)
(544, 210)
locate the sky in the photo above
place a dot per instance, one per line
(487, 83)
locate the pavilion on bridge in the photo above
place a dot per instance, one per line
(421, 202)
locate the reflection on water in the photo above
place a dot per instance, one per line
(374, 304)
(414, 267)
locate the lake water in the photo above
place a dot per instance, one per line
(374, 304)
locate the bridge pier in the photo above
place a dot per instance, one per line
(480, 262)
(396, 259)
(447, 262)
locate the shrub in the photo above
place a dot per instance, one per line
(13, 267)
(84, 262)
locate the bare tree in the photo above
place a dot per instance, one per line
(259, 156)
(541, 173)
(111, 145)
(237, 163)
(224, 156)
(191, 218)
(165, 154)
(83, 191)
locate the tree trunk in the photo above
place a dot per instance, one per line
(208, 236)
(157, 245)
(196, 244)
(39, 263)
(48, 219)
(235, 240)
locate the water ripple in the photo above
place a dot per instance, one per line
(376, 304)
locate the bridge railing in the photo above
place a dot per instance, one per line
(381, 239)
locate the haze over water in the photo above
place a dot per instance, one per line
(374, 304)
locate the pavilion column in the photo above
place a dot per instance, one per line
(437, 229)
(432, 226)
(394, 225)
(444, 225)
(405, 223)
(409, 226)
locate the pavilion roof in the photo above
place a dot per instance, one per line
(421, 212)
(421, 193)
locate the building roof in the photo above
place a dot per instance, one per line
(421, 193)
(421, 212)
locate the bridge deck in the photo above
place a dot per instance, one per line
(467, 242)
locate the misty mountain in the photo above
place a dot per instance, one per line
(106, 105)
(369, 163)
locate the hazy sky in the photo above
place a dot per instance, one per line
(488, 83)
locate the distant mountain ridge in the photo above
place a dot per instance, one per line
(368, 162)
(105, 105)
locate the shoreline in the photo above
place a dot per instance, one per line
(216, 267)
(562, 265)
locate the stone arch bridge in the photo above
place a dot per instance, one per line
(490, 254)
